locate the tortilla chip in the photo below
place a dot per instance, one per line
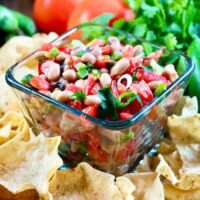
(126, 188)
(83, 182)
(30, 164)
(11, 124)
(20, 46)
(166, 147)
(26, 195)
(148, 186)
(8, 100)
(190, 107)
(184, 130)
(172, 193)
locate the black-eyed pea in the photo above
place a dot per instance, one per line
(92, 100)
(105, 79)
(120, 67)
(88, 58)
(154, 84)
(53, 72)
(114, 43)
(61, 57)
(64, 96)
(96, 51)
(171, 72)
(79, 83)
(69, 75)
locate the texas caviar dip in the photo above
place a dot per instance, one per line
(105, 79)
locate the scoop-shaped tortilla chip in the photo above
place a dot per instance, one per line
(29, 164)
(11, 124)
(148, 186)
(173, 193)
(83, 183)
(184, 130)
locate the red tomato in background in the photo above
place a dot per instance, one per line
(53, 15)
(90, 9)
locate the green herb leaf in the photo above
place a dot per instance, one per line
(96, 72)
(160, 89)
(108, 107)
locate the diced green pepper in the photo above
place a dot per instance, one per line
(78, 96)
(125, 99)
(96, 72)
(156, 67)
(127, 137)
(160, 89)
(116, 55)
(26, 79)
(76, 43)
(81, 53)
(80, 66)
(53, 52)
(82, 73)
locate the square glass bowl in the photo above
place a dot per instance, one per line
(111, 146)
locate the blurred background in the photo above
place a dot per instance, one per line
(24, 6)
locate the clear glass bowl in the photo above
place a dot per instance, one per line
(112, 146)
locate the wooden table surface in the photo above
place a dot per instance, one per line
(24, 6)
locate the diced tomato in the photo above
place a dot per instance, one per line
(73, 88)
(95, 89)
(149, 76)
(135, 63)
(106, 50)
(78, 137)
(100, 63)
(74, 61)
(143, 90)
(46, 47)
(121, 88)
(40, 83)
(90, 110)
(66, 50)
(77, 104)
(126, 151)
(134, 107)
(125, 115)
(155, 55)
(88, 85)
(114, 88)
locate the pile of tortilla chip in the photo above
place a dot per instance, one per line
(29, 164)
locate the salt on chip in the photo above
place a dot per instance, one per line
(173, 193)
(83, 182)
(148, 186)
(190, 107)
(184, 130)
(29, 164)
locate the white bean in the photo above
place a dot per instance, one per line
(114, 43)
(63, 96)
(171, 72)
(105, 79)
(89, 58)
(53, 71)
(138, 49)
(96, 51)
(104, 70)
(120, 67)
(92, 100)
(69, 75)
(154, 84)
(79, 83)
(55, 94)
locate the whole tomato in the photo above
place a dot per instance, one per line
(90, 9)
(53, 15)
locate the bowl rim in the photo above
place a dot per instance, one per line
(113, 125)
